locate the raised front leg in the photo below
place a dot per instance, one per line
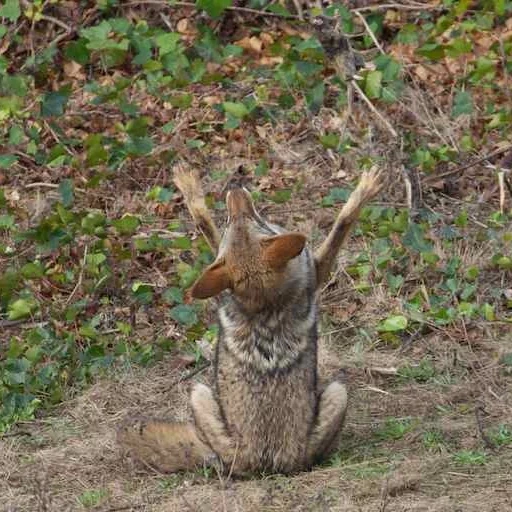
(165, 447)
(190, 187)
(211, 427)
(331, 415)
(369, 185)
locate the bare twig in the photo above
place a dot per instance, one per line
(41, 184)
(188, 376)
(80, 277)
(383, 371)
(413, 189)
(370, 31)
(58, 22)
(376, 113)
(432, 179)
(501, 182)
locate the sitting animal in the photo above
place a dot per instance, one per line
(265, 412)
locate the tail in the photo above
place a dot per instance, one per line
(165, 447)
(189, 185)
(368, 187)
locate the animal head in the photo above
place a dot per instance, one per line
(255, 259)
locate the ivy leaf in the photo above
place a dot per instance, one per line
(21, 308)
(11, 10)
(433, 51)
(462, 104)
(66, 190)
(184, 314)
(214, 7)
(32, 270)
(238, 110)
(77, 51)
(315, 97)
(393, 324)
(6, 221)
(373, 85)
(330, 140)
(414, 238)
(54, 103)
(167, 43)
(127, 224)
(7, 160)
(173, 295)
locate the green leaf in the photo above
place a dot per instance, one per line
(16, 135)
(95, 259)
(214, 7)
(373, 84)
(32, 270)
(182, 242)
(7, 160)
(262, 168)
(77, 51)
(167, 43)
(143, 292)
(462, 104)
(408, 34)
(181, 100)
(127, 224)
(393, 324)
(330, 140)
(184, 314)
(139, 146)
(458, 47)
(433, 51)
(54, 103)
(414, 238)
(66, 190)
(487, 311)
(173, 295)
(6, 221)
(238, 110)
(21, 308)
(11, 10)
(281, 196)
(315, 97)
(336, 195)
(97, 33)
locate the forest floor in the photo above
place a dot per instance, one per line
(429, 425)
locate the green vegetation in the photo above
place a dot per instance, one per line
(101, 103)
(469, 458)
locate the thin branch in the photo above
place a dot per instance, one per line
(371, 106)
(58, 22)
(370, 31)
(80, 277)
(498, 152)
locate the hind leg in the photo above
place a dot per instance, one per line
(165, 447)
(210, 424)
(331, 415)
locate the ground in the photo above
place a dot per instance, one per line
(98, 248)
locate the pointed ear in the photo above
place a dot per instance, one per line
(214, 280)
(278, 250)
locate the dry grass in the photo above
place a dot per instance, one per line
(68, 460)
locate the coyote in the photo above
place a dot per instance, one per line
(265, 412)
